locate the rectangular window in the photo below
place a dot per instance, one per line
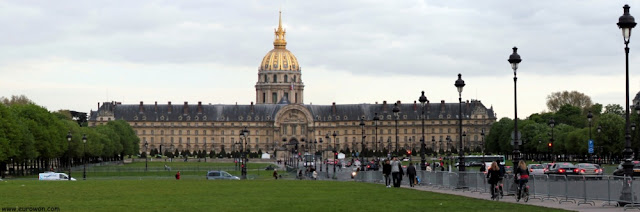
(296, 98)
(274, 97)
(264, 95)
(286, 95)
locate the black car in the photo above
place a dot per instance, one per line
(563, 168)
(620, 170)
(372, 166)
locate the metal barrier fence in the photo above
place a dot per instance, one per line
(573, 189)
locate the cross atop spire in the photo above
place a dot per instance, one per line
(280, 42)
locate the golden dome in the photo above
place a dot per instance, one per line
(279, 59)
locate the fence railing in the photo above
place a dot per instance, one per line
(573, 189)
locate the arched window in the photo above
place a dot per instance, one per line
(275, 78)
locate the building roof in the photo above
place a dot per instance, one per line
(267, 112)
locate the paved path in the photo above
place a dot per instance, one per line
(536, 202)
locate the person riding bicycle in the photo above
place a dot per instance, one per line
(502, 172)
(493, 174)
(521, 175)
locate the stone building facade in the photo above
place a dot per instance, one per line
(274, 125)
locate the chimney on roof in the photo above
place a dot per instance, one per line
(441, 105)
(199, 107)
(399, 103)
(376, 102)
(384, 106)
(415, 106)
(252, 106)
(141, 108)
(155, 107)
(169, 108)
(98, 105)
(333, 108)
(185, 108)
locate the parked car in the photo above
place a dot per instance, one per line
(220, 175)
(563, 168)
(590, 169)
(270, 167)
(536, 169)
(372, 166)
(620, 170)
(508, 169)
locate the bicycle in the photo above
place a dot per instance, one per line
(524, 195)
(497, 192)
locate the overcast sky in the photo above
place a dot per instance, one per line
(74, 54)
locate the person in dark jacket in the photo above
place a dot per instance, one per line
(503, 171)
(493, 174)
(411, 172)
(386, 171)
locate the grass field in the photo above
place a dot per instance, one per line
(251, 195)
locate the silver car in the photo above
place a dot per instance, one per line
(220, 175)
(536, 169)
(590, 169)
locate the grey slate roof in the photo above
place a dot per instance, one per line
(267, 112)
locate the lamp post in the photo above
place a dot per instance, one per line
(244, 148)
(460, 85)
(626, 22)
(552, 124)
(449, 147)
(482, 146)
(335, 150)
(84, 147)
(599, 130)
(433, 145)
(146, 156)
(637, 108)
(589, 118)
(396, 110)
(362, 150)
(423, 100)
(514, 60)
(205, 150)
(375, 122)
(69, 151)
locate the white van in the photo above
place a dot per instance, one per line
(54, 176)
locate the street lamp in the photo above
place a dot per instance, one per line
(362, 150)
(482, 146)
(433, 145)
(423, 100)
(146, 156)
(552, 124)
(244, 149)
(626, 22)
(396, 110)
(460, 85)
(84, 171)
(514, 60)
(375, 122)
(335, 159)
(590, 118)
(69, 152)
(449, 148)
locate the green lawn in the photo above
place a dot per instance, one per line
(187, 169)
(251, 195)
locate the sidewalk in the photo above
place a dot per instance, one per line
(537, 202)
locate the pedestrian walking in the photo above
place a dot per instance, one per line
(386, 172)
(411, 172)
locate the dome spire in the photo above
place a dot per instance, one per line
(280, 42)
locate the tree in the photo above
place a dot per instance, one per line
(557, 99)
(615, 109)
(16, 100)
